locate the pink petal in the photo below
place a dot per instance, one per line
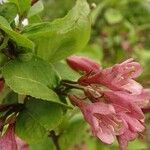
(105, 135)
(22, 145)
(134, 124)
(83, 64)
(100, 108)
(125, 138)
(7, 141)
(133, 87)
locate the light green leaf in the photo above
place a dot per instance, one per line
(21, 40)
(66, 72)
(62, 37)
(37, 119)
(35, 78)
(8, 11)
(23, 5)
(35, 9)
(113, 16)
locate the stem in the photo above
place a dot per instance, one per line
(4, 44)
(72, 86)
(68, 81)
(55, 139)
(33, 2)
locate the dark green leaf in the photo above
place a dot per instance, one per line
(21, 40)
(35, 78)
(37, 118)
(8, 11)
(74, 133)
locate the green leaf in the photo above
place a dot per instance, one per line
(21, 40)
(93, 51)
(11, 97)
(62, 37)
(23, 5)
(113, 16)
(35, 9)
(66, 72)
(37, 119)
(45, 144)
(74, 133)
(8, 11)
(35, 78)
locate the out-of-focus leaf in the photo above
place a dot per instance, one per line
(113, 16)
(35, 9)
(23, 5)
(93, 51)
(96, 12)
(62, 37)
(8, 11)
(34, 19)
(37, 119)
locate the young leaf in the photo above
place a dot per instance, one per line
(37, 118)
(8, 11)
(35, 9)
(23, 5)
(36, 78)
(21, 40)
(62, 37)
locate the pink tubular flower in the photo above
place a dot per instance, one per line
(11, 142)
(82, 64)
(8, 142)
(118, 77)
(116, 99)
(104, 122)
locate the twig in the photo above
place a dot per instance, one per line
(55, 139)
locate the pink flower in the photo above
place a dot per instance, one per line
(116, 100)
(104, 122)
(7, 141)
(11, 142)
(118, 77)
(22, 145)
(82, 64)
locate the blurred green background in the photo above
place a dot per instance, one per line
(120, 30)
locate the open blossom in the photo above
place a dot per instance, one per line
(102, 118)
(116, 100)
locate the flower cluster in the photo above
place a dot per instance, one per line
(114, 99)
